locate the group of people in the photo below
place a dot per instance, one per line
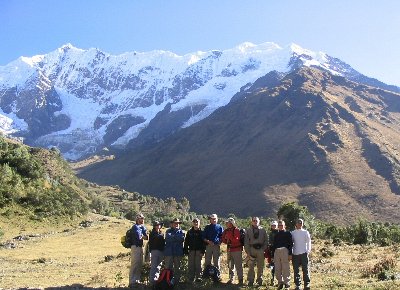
(278, 245)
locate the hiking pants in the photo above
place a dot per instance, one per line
(194, 265)
(282, 268)
(174, 263)
(235, 262)
(212, 252)
(136, 265)
(302, 260)
(156, 258)
(260, 261)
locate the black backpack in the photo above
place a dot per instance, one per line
(165, 281)
(212, 272)
(127, 240)
(242, 236)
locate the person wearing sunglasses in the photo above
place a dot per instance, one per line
(256, 241)
(282, 249)
(212, 235)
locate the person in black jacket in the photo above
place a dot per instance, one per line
(282, 249)
(156, 249)
(194, 247)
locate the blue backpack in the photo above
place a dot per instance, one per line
(213, 273)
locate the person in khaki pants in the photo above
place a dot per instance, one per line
(231, 237)
(282, 249)
(256, 241)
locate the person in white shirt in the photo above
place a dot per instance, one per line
(301, 250)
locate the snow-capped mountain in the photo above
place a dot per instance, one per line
(84, 100)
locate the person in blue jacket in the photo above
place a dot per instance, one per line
(212, 237)
(173, 251)
(139, 233)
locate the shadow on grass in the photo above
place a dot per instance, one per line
(181, 286)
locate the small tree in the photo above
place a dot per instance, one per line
(291, 212)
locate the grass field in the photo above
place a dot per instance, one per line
(78, 257)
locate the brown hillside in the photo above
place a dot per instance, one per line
(316, 138)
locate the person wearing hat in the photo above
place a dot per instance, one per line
(212, 238)
(194, 247)
(231, 237)
(255, 243)
(139, 233)
(282, 249)
(301, 250)
(156, 249)
(173, 251)
(269, 253)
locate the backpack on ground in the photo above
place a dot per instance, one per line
(212, 272)
(165, 280)
(127, 240)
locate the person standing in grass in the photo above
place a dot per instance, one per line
(270, 254)
(231, 237)
(282, 247)
(212, 237)
(139, 233)
(301, 250)
(255, 243)
(173, 252)
(156, 249)
(194, 247)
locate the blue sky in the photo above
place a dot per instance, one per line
(363, 33)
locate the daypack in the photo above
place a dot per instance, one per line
(212, 272)
(165, 281)
(242, 236)
(127, 240)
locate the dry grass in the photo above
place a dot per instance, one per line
(75, 257)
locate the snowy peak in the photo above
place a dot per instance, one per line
(83, 100)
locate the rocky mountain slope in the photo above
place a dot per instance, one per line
(310, 136)
(81, 101)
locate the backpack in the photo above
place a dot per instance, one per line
(212, 272)
(165, 281)
(242, 236)
(127, 240)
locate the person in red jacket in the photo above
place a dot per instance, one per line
(231, 237)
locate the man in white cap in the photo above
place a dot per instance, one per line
(301, 250)
(212, 237)
(231, 237)
(139, 233)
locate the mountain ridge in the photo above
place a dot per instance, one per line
(316, 138)
(81, 101)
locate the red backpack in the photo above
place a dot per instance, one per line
(165, 281)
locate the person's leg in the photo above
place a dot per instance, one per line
(136, 264)
(238, 262)
(296, 261)
(231, 266)
(306, 270)
(285, 267)
(168, 261)
(208, 256)
(260, 265)
(278, 266)
(197, 262)
(216, 256)
(251, 263)
(191, 265)
(177, 268)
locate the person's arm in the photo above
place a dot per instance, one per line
(308, 238)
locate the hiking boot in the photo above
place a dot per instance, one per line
(240, 282)
(297, 288)
(229, 282)
(250, 283)
(259, 282)
(287, 286)
(280, 286)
